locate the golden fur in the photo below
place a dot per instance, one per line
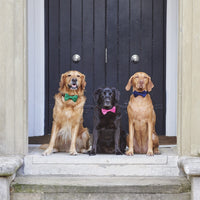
(142, 137)
(68, 133)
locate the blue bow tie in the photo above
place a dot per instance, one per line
(143, 94)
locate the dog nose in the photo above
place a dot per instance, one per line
(141, 82)
(74, 80)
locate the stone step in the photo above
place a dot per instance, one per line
(101, 165)
(98, 188)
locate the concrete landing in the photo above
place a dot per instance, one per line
(62, 187)
(101, 165)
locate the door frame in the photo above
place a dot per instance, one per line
(171, 67)
(36, 67)
(36, 86)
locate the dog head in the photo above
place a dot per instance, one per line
(140, 81)
(72, 82)
(106, 97)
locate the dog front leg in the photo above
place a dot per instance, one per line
(94, 144)
(54, 133)
(117, 137)
(74, 133)
(130, 151)
(150, 141)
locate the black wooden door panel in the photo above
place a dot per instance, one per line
(106, 33)
(124, 57)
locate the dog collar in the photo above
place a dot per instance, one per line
(143, 94)
(105, 111)
(73, 98)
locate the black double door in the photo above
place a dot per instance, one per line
(105, 33)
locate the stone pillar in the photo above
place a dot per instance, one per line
(189, 78)
(191, 167)
(8, 168)
(5, 187)
(13, 77)
(195, 192)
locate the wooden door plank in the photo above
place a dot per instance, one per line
(124, 59)
(64, 21)
(46, 125)
(135, 34)
(158, 61)
(76, 32)
(99, 44)
(54, 66)
(112, 43)
(88, 61)
(146, 33)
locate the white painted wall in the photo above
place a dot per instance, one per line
(36, 67)
(171, 67)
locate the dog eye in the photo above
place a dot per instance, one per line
(145, 77)
(110, 93)
(69, 75)
(137, 77)
(78, 75)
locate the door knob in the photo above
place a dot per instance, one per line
(76, 58)
(135, 58)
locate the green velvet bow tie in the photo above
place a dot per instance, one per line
(74, 98)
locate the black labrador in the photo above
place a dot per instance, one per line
(108, 138)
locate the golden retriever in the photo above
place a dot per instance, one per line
(142, 137)
(68, 133)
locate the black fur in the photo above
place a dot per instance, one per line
(107, 136)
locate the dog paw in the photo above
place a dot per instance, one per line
(84, 151)
(73, 153)
(150, 153)
(92, 152)
(157, 152)
(118, 152)
(47, 152)
(129, 153)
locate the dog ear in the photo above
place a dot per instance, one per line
(83, 82)
(62, 81)
(117, 94)
(129, 84)
(96, 94)
(150, 85)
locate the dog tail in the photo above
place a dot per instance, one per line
(44, 146)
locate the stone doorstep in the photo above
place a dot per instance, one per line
(101, 165)
(64, 184)
(99, 196)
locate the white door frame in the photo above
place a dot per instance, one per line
(36, 67)
(171, 67)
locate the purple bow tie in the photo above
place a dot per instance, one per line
(143, 94)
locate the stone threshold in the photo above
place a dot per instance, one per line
(62, 163)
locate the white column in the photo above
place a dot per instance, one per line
(13, 77)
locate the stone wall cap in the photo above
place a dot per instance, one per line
(190, 165)
(10, 164)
